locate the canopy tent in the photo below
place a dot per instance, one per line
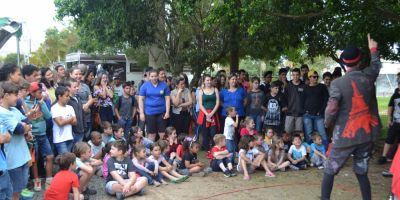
(9, 28)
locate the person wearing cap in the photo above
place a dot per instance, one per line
(40, 113)
(315, 98)
(352, 108)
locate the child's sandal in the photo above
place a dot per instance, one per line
(174, 181)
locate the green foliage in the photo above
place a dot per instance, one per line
(140, 55)
(55, 46)
(12, 58)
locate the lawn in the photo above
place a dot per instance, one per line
(382, 106)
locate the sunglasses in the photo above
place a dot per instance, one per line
(313, 76)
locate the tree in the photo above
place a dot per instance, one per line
(55, 46)
(12, 58)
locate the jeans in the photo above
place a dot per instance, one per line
(42, 146)
(78, 137)
(64, 147)
(311, 123)
(216, 162)
(258, 120)
(127, 124)
(6, 188)
(231, 147)
(150, 178)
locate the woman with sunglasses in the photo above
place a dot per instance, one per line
(315, 99)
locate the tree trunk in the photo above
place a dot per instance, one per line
(235, 39)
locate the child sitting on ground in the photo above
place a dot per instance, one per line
(85, 166)
(146, 167)
(297, 154)
(287, 141)
(249, 127)
(140, 139)
(250, 158)
(190, 164)
(268, 137)
(96, 145)
(179, 151)
(106, 157)
(64, 180)
(276, 155)
(171, 137)
(122, 180)
(107, 131)
(118, 133)
(261, 145)
(165, 169)
(317, 153)
(219, 156)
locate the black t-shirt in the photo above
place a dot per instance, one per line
(187, 156)
(315, 99)
(395, 103)
(265, 87)
(274, 105)
(122, 168)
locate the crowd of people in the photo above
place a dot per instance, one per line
(150, 135)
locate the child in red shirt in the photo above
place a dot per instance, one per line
(248, 128)
(219, 156)
(64, 180)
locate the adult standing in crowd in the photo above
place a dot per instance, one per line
(104, 94)
(60, 73)
(353, 108)
(315, 98)
(304, 70)
(221, 82)
(89, 79)
(85, 95)
(162, 74)
(294, 94)
(233, 96)
(265, 85)
(181, 100)
(11, 73)
(208, 114)
(327, 78)
(154, 105)
(283, 79)
(48, 80)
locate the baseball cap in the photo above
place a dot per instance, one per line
(35, 86)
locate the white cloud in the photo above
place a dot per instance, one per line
(36, 16)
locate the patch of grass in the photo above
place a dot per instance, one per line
(382, 107)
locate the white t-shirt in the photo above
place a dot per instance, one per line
(229, 129)
(250, 154)
(64, 133)
(297, 153)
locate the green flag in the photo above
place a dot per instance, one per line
(9, 28)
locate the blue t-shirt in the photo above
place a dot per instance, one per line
(233, 99)
(320, 148)
(154, 97)
(17, 151)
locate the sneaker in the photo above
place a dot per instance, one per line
(292, 167)
(198, 174)
(37, 185)
(232, 172)
(321, 167)
(27, 193)
(119, 196)
(89, 191)
(141, 192)
(387, 173)
(382, 160)
(227, 173)
(156, 183)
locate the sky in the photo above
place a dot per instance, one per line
(36, 17)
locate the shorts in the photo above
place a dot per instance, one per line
(19, 177)
(293, 124)
(216, 162)
(393, 133)
(155, 123)
(339, 155)
(6, 190)
(250, 168)
(42, 146)
(109, 185)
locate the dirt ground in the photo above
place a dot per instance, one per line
(286, 185)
